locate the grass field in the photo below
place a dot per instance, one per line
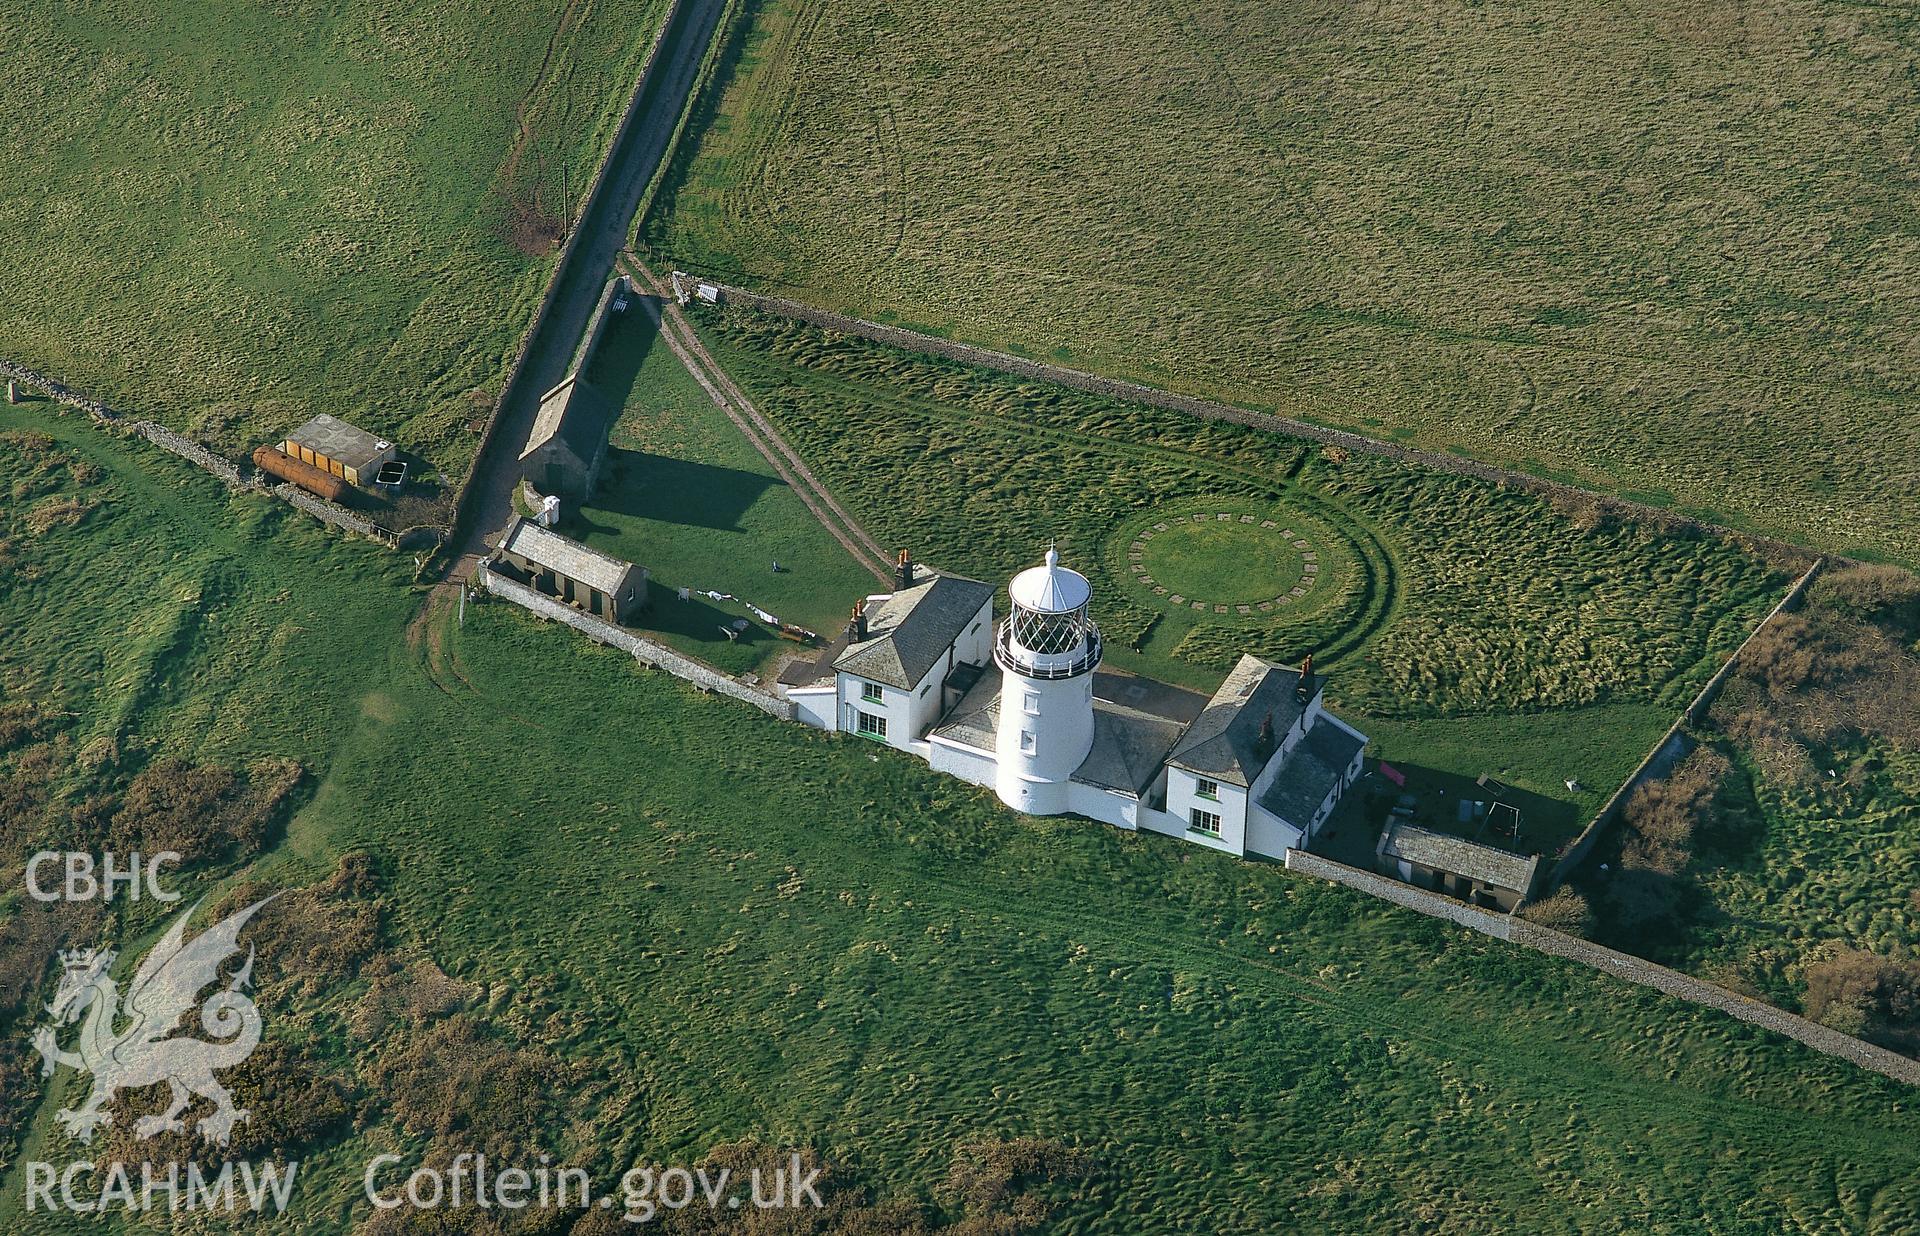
(688, 923)
(231, 218)
(1436, 599)
(684, 494)
(1583, 241)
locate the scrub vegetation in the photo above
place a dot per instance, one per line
(543, 902)
(1782, 858)
(234, 217)
(1578, 240)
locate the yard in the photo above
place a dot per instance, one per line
(1578, 240)
(685, 495)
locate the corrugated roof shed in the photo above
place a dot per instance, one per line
(563, 556)
(1223, 741)
(330, 436)
(912, 629)
(1443, 852)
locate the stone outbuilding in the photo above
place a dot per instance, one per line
(569, 439)
(560, 567)
(1483, 875)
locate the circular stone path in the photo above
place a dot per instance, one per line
(1225, 561)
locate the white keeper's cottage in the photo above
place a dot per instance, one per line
(1026, 709)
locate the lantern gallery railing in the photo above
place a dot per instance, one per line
(1024, 660)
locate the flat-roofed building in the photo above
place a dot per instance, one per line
(560, 567)
(339, 449)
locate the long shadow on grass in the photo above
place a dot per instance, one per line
(673, 491)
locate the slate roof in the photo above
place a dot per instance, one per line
(1311, 771)
(563, 556)
(1500, 868)
(911, 630)
(975, 720)
(573, 414)
(352, 446)
(1222, 741)
(1129, 749)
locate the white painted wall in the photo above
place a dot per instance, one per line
(959, 760)
(814, 706)
(1183, 797)
(1106, 806)
(1046, 730)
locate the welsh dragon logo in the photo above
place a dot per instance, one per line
(164, 991)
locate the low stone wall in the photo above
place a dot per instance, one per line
(225, 469)
(643, 650)
(516, 371)
(1660, 761)
(617, 286)
(1609, 961)
(1135, 392)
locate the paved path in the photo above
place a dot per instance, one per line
(603, 234)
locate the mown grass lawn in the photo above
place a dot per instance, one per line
(230, 218)
(684, 494)
(1584, 240)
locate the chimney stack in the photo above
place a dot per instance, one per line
(1306, 679)
(857, 624)
(903, 570)
(1264, 744)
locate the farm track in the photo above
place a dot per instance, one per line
(636, 155)
(755, 428)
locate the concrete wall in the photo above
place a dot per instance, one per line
(814, 706)
(1620, 965)
(642, 649)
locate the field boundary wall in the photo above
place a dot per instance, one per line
(1620, 965)
(1153, 396)
(186, 448)
(643, 650)
(1672, 744)
(516, 372)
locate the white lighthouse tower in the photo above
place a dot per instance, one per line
(1048, 649)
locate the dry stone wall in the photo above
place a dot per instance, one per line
(643, 650)
(1609, 961)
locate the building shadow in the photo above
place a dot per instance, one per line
(673, 491)
(1480, 809)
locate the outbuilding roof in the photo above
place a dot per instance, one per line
(1223, 741)
(1311, 771)
(565, 557)
(1444, 852)
(573, 414)
(1129, 749)
(912, 629)
(352, 446)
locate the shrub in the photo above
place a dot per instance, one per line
(1565, 911)
(1866, 995)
